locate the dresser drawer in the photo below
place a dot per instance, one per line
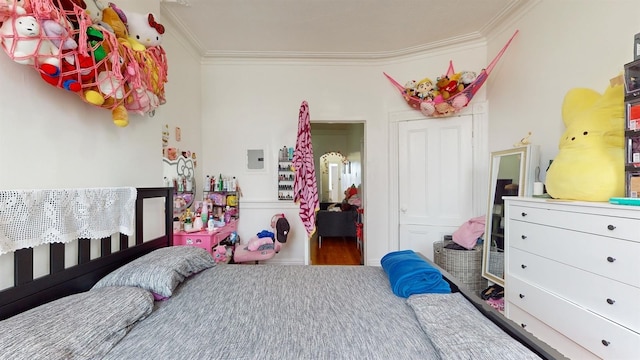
(547, 334)
(602, 337)
(614, 300)
(612, 258)
(617, 227)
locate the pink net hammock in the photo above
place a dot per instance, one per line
(96, 58)
(450, 93)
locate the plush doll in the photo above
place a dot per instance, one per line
(427, 108)
(590, 163)
(144, 29)
(410, 88)
(220, 253)
(466, 78)
(58, 34)
(27, 46)
(448, 87)
(424, 89)
(94, 9)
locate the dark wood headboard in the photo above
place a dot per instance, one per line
(28, 292)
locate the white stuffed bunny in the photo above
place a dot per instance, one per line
(26, 44)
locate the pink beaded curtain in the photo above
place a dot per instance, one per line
(305, 188)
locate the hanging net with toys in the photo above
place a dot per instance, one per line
(450, 93)
(110, 58)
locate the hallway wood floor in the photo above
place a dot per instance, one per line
(335, 251)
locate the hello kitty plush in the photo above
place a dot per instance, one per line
(144, 29)
(27, 44)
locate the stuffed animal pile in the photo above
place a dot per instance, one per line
(590, 163)
(439, 98)
(110, 58)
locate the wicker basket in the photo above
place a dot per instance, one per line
(496, 263)
(465, 265)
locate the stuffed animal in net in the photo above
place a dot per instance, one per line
(84, 46)
(590, 163)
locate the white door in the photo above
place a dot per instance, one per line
(435, 180)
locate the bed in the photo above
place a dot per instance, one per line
(241, 311)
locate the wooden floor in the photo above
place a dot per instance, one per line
(335, 251)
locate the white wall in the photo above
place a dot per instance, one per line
(254, 104)
(51, 139)
(561, 45)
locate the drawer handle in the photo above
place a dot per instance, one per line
(523, 266)
(521, 296)
(524, 214)
(605, 343)
(523, 325)
(611, 227)
(524, 237)
(611, 259)
(610, 301)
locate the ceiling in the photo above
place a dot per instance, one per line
(348, 29)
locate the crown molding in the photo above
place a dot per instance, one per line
(515, 10)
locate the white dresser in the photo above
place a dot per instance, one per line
(573, 275)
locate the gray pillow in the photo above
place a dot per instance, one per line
(459, 331)
(161, 270)
(81, 326)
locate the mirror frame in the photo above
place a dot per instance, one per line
(524, 184)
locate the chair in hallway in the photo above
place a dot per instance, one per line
(264, 248)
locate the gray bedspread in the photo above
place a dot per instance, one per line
(280, 312)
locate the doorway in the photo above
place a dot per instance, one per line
(338, 149)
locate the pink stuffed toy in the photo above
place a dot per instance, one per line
(220, 253)
(255, 242)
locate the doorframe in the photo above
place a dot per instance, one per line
(364, 170)
(480, 148)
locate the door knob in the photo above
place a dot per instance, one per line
(523, 214)
(611, 259)
(524, 237)
(611, 227)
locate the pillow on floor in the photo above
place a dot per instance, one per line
(161, 270)
(459, 331)
(81, 326)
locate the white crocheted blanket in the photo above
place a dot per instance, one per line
(29, 218)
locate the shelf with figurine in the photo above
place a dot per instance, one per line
(221, 196)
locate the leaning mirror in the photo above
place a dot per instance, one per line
(510, 174)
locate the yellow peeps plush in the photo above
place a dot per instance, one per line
(590, 163)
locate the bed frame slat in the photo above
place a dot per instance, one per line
(84, 251)
(56, 258)
(23, 266)
(124, 241)
(105, 246)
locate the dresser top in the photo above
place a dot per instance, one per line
(574, 205)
